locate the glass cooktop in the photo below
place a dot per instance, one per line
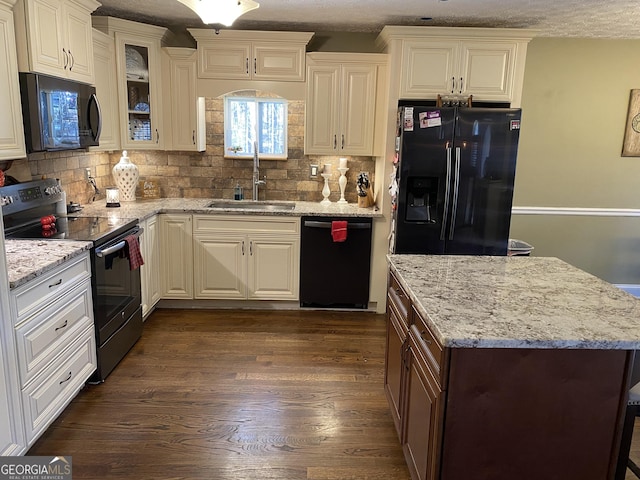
(90, 229)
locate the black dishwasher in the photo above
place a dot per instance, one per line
(335, 274)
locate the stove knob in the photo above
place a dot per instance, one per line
(6, 200)
(50, 191)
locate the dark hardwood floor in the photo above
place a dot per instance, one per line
(238, 395)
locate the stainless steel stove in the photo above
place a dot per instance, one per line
(115, 285)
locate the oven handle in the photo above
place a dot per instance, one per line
(101, 252)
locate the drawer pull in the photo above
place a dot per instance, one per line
(66, 379)
(399, 292)
(62, 326)
(422, 334)
(59, 282)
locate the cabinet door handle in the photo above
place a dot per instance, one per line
(425, 340)
(453, 84)
(243, 247)
(461, 85)
(193, 137)
(335, 142)
(247, 65)
(66, 58)
(62, 326)
(255, 65)
(59, 282)
(342, 142)
(157, 136)
(251, 248)
(72, 61)
(66, 379)
(407, 353)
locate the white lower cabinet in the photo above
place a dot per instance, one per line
(150, 271)
(229, 257)
(51, 391)
(246, 257)
(272, 268)
(219, 267)
(54, 334)
(176, 245)
(11, 430)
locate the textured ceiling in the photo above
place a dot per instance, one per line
(553, 18)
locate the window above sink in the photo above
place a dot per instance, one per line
(249, 119)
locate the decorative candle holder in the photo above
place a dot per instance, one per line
(326, 191)
(342, 181)
(113, 197)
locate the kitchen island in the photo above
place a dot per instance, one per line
(507, 367)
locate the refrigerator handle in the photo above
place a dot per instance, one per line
(456, 187)
(445, 213)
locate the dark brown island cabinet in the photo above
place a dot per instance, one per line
(501, 413)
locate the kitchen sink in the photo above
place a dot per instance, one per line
(249, 205)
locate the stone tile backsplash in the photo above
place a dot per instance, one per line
(201, 175)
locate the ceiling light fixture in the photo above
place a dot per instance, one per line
(222, 12)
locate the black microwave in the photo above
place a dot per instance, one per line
(58, 114)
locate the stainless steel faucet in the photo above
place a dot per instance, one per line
(256, 172)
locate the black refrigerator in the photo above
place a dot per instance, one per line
(454, 179)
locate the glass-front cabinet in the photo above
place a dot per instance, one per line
(140, 99)
(139, 81)
(138, 93)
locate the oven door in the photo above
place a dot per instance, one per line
(116, 288)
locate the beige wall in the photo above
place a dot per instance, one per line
(574, 106)
(575, 99)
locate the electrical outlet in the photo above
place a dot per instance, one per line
(313, 171)
(87, 174)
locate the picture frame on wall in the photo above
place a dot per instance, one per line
(631, 144)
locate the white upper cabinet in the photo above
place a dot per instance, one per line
(340, 115)
(251, 55)
(107, 90)
(185, 111)
(54, 37)
(138, 58)
(486, 63)
(11, 129)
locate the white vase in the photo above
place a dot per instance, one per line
(126, 177)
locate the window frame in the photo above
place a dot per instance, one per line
(228, 151)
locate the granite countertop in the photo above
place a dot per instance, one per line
(28, 259)
(143, 209)
(517, 302)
